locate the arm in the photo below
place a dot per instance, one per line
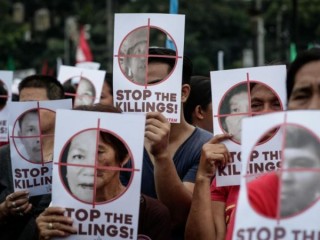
(200, 224)
(52, 223)
(171, 191)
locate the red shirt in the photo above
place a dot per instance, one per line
(263, 197)
(226, 194)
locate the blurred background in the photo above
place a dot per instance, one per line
(219, 34)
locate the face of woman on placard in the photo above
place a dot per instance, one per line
(85, 93)
(82, 152)
(92, 170)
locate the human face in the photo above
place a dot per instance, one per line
(238, 104)
(106, 96)
(157, 71)
(138, 62)
(47, 118)
(83, 152)
(30, 136)
(299, 188)
(107, 179)
(264, 100)
(85, 93)
(306, 90)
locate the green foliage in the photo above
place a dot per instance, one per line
(211, 26)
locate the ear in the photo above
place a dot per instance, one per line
(185, 92)
(198, 112)
(125, 160)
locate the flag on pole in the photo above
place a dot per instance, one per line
(174, 5)
(83, 53)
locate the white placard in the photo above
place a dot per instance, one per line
(288, 199)
(80, 165)
(28, 121)
(6, 78)
(85, 85)
(232, 101)
(135, 89)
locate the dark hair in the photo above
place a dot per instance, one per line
(120, 149)
(187, 64)
(200, 94)
(108, 79)
(53, 87)
(98, 107)
(303, 58)
(3, 95)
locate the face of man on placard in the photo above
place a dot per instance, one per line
(300, 175)
(235, 105)
(137, 63)
(30, 135)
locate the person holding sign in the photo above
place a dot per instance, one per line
(172, 150)
(223, 199)
(303, 84)
(154, 217)
(107, 90)
(198, 108)
(16, 208)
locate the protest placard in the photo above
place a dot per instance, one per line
(84, 86)
(136, 88)
(89, 156)
(242, 93)
(29, 123)
(284, 203)
(5, 99)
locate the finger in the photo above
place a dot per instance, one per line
(16, 195)
(220, 137)
(53, 210)
(28, 208)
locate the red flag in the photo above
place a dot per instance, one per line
(83, 53)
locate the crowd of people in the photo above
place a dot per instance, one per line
(179, 195)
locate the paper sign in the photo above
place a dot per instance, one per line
(31, 144)
(5, 99)
(89, 156)
(283, 204)
(136, 88)
(242, 93)
(83, 85)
